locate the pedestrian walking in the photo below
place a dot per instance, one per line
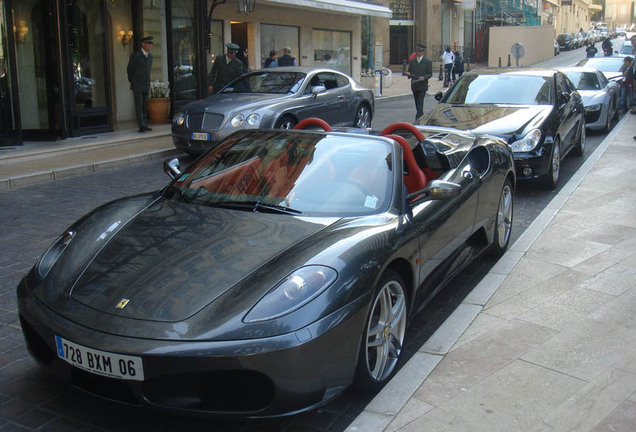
(242, 56)
(286, 59)
(448, 59)
(138, 70)
(627, 83)
(225, 68)
(420, 70)
(458, 66)
(271, 61)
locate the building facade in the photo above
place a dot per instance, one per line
(63, 62)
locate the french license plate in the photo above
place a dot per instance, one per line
(100, 362)
(200, 136)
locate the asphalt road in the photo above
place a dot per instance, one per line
(31, 217)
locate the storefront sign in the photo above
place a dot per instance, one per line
(402, 9)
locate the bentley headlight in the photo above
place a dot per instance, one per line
(528, 142)
(253, 119)
(237, 120)
(592, 108)
(179, 119)
(293, 292)
(51, 256)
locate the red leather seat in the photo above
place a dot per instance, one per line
(414, 179)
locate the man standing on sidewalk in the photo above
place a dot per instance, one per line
(287, 59)
(448, 58)
(138, 69)
(420, 70)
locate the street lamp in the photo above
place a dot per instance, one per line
(246, 6)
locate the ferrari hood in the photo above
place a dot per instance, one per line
(173, 259)
(502, 121)
(230, 102)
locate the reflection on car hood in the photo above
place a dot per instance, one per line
(173, 259)
(590, 97)
(227, 103)
(502, 121)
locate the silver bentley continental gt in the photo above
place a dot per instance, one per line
(272, 98)
(278, 269)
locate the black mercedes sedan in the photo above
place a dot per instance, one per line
(538, 111)
(272, 273)
(272, 98)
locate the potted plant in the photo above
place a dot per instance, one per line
(159, 102)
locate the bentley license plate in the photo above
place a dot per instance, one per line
(100, 362)
(200, 136)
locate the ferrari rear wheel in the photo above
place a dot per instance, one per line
(285, 122)
(384, 332)
(503, 220)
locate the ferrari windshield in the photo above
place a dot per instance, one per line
(504, 88)
(274, 82)
(292, 172)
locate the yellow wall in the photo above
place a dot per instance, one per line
(538, 42)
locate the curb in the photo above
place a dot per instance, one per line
(396, 395)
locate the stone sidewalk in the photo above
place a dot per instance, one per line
(547, 340)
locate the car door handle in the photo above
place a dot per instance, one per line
(340, 97)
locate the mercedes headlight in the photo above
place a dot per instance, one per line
(528, 142)
(254, 119)
(237, 120)
(293, 292)
(179, 119)
(592, 108)
(50, 257)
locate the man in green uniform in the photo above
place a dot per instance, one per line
(225, 69)
(420, 70)
(138, 69)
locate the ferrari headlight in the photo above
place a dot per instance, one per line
(51, 256)
(237, 120)
(253, 119)
(592, 108)
(179, 119)
(293, 292)
(528, 142)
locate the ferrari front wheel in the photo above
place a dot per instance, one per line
(384, 331)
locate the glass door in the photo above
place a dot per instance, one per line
(87, 67)
(38, 69)
(9, 128)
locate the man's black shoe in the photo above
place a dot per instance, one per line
(142, 130)
(147, 129)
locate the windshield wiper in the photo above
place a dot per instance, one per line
(256, 206)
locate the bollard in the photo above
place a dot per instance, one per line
(441, 73)
(509, 63)
(467, 66)
(499, 61)
(404, 67)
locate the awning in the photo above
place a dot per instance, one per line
(595, 7)
(350, 7)
(553, 2)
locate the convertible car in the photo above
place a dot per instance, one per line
(275, 271)
(538, 111)
(272, 98)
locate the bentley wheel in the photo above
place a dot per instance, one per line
(579, 148)
(384, 331)
(363, 117)
(503, 220)
(285, 122)
(555, 166)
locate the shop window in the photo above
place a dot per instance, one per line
(277, 37)
(332, 49)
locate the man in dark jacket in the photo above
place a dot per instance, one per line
(138, 69)
(420, 70)
(287, 59)
(225, 68)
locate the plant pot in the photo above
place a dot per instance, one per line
(158, 110)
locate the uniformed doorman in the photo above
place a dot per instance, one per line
(139, 65)
(225, 68)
